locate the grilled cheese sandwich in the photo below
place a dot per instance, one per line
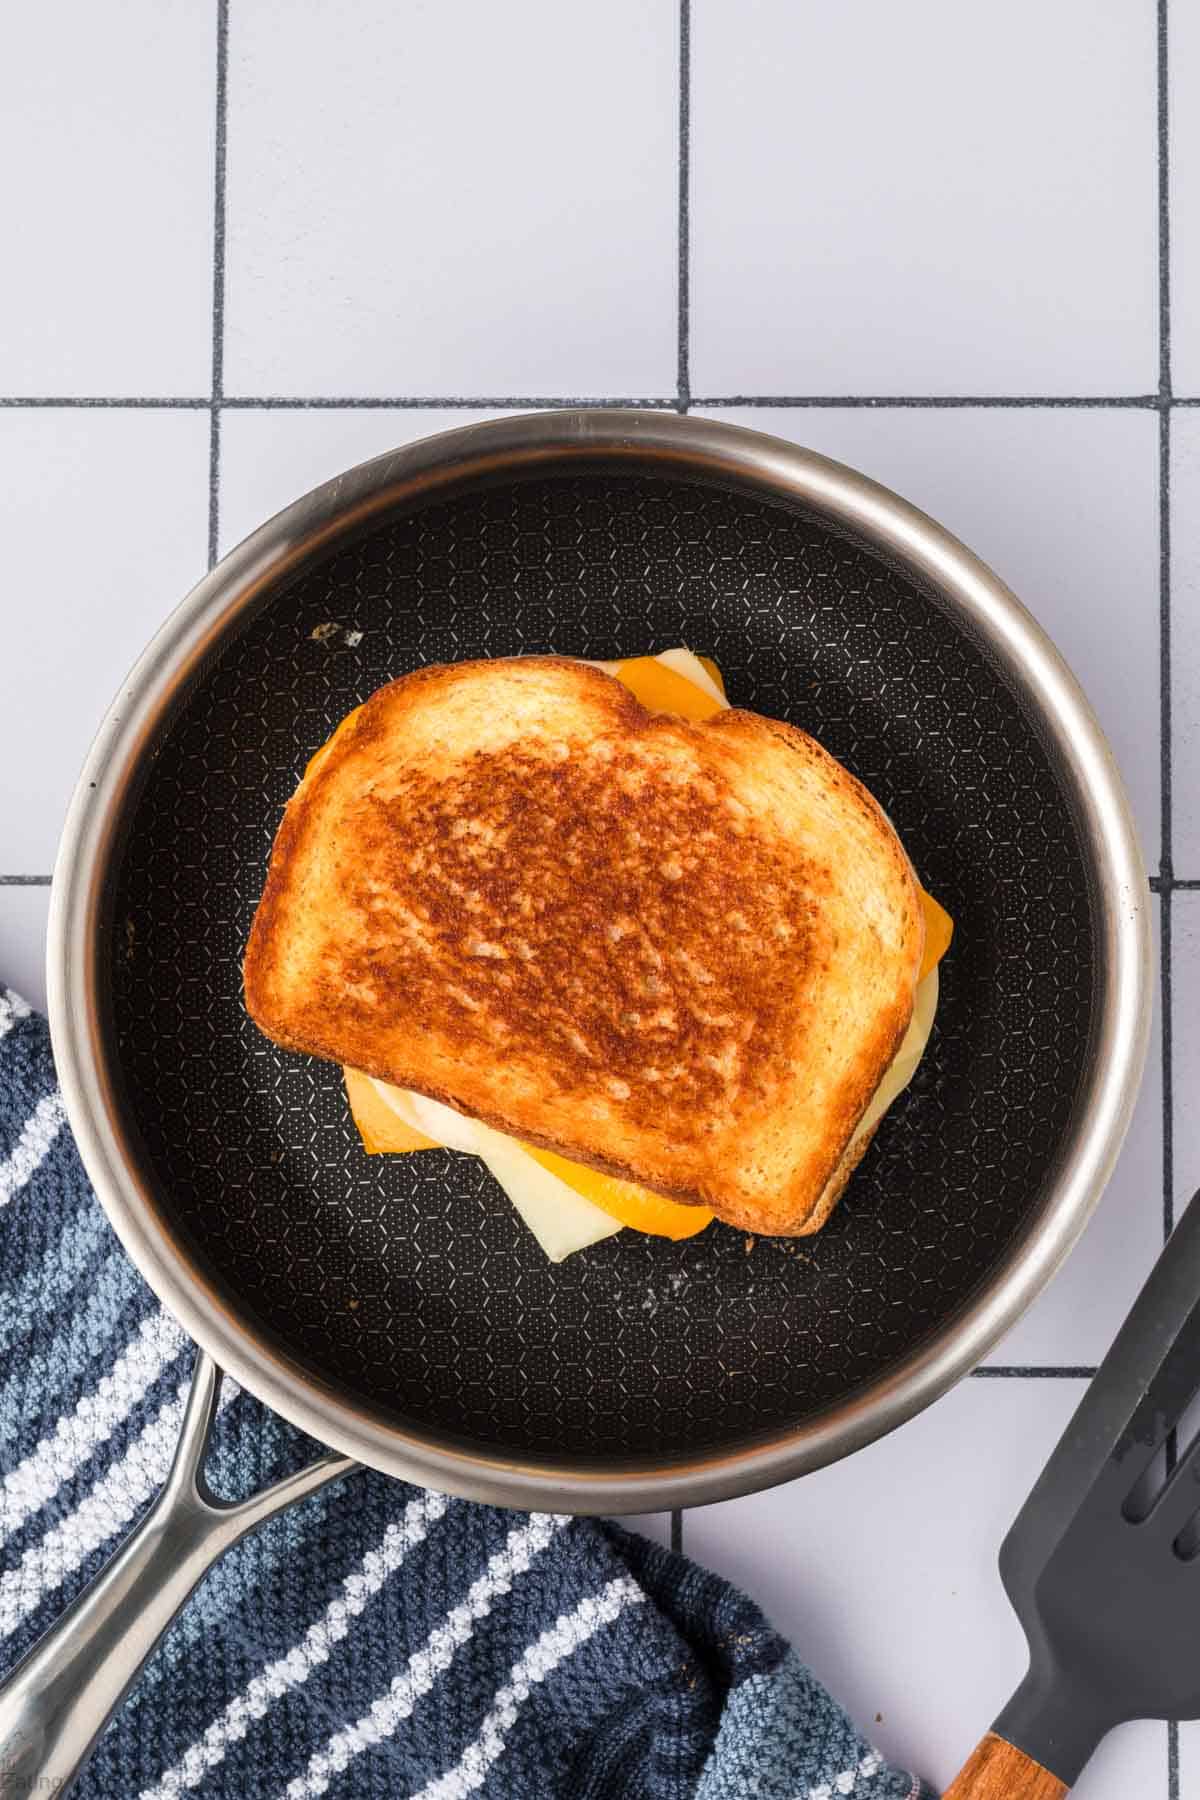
(569, 1202)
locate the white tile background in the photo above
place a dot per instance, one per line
(105, 528)
(924, 199)
(106, 140)
(956, 208)
(410, 216)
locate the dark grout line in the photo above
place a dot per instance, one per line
(445, 402)
(1173, 1788)
(1150, 402)
(645, 402)
(683, 374)
(24, 880)
(1164, 209)
(218, 284)
(1186, 887)
(214, 484)
(677, 1529)
(165, 403)
(1032, 1372)
(1164, 603)
(1165, 725)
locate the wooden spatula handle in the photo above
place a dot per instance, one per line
(997, 1771)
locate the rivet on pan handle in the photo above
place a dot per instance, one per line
(58, 1700)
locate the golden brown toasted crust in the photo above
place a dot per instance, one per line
(683, 953)
(838, 1182)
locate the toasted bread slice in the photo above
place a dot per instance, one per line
(682, 952)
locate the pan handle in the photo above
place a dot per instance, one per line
(58, 1700)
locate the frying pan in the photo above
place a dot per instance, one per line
(396, 1308)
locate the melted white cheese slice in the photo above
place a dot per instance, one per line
(561, 1220)
(908, 1056)
(688, 664)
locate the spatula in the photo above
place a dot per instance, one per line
(1104, 1579)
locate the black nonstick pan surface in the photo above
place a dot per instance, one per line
(408, 1283)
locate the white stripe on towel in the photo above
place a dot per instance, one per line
(847, 1782)
(434, 1657)
(293, 1670)
(12, 1008)
(103, 1512)
(29, 1152)
(157, 1342)
(555, 1645)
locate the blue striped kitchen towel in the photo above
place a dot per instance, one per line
(376, 1639)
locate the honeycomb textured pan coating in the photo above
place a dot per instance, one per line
(409, 1281)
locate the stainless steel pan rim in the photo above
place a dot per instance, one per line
(680, 445)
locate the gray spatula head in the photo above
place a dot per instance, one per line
(1106, 1581)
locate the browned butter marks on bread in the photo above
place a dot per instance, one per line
(683, 952)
